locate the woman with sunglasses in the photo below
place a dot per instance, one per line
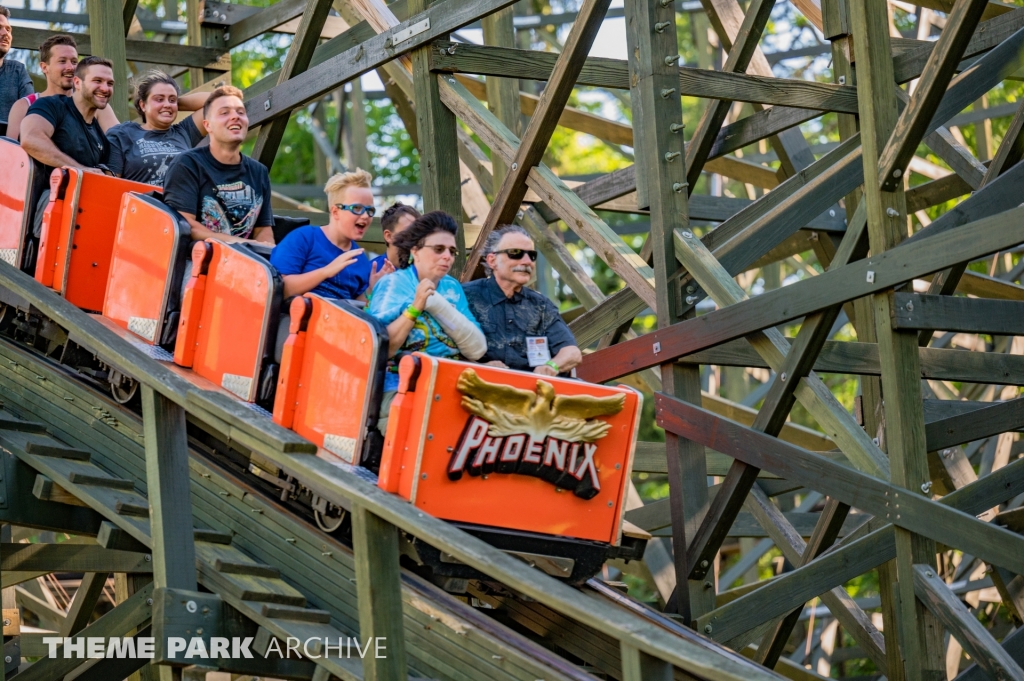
(327, 259)
(423, 307)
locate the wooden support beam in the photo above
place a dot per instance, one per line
(614, 73)
(739, 241)
(1013, 644)
(372, 53)
(67, 557)
(910, 261)
(541, 126)
(909, 64)
(86, 598)
(622, 259)
(660, 181)
(639, 666)
(148, 52)
(438, 144)
(107, 30)
(967, 315)
(825, 534)
(854, 556)
(740, 54)
(378, 584)
(917, 635)
(794, 368)
(1011, 149)
(917, 513)
(502, 93)
(1000, 417)
(910, 128)
(168, 489)
(300, 52)
(118, 622)
(964, 626)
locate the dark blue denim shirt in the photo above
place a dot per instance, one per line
(507, 322)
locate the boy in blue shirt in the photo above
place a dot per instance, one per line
(327, 259)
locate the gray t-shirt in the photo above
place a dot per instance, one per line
(145, 155)
(14, 84)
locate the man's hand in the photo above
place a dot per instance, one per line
(376, 275)
(545, 370)
(423, 291)
(341, 262)
(496, 363)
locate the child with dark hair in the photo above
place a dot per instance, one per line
(394, 221)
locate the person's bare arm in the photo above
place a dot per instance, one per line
(567, 359)
(264, 235)
(201, 233)
(194, 101)
(107, 118)
(36, 134)
(398, 330)
(297, 284)
(15, 117)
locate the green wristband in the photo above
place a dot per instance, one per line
(551, 363)
(413, 312)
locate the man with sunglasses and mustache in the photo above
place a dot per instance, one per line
(327, 259)
(524, 329)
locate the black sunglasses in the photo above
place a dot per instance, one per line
(439, 249)
(518, 253)
(357, 208)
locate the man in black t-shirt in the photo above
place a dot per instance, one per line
(223, 194)
(64, 131)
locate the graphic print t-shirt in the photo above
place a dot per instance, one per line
(227, 199)
(145, 155)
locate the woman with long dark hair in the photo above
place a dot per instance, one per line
(423, 306)
(143, 151)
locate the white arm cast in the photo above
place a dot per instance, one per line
(470, 339)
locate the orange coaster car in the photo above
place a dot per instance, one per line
(78, 232)
(15, 198)
(230, 318)
(537, 466)
(147, 264)
(332, 375)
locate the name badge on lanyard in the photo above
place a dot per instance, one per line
(537, 351)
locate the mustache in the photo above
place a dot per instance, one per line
(523, 268)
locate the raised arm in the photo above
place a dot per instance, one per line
(399, 329)
(36, 134)
(194, 101)
(107, 118)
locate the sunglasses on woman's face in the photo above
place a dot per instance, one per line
(518, 253)
(357, 208)
(440, 250)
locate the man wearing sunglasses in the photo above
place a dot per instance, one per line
(326, 259)
(523, 328)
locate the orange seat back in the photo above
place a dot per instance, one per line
(472, 443)
(332, 375)
(78, 232)
(228, 322)
(150, 248)
(15, 200)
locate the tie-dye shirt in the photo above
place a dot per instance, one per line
(393, 294)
